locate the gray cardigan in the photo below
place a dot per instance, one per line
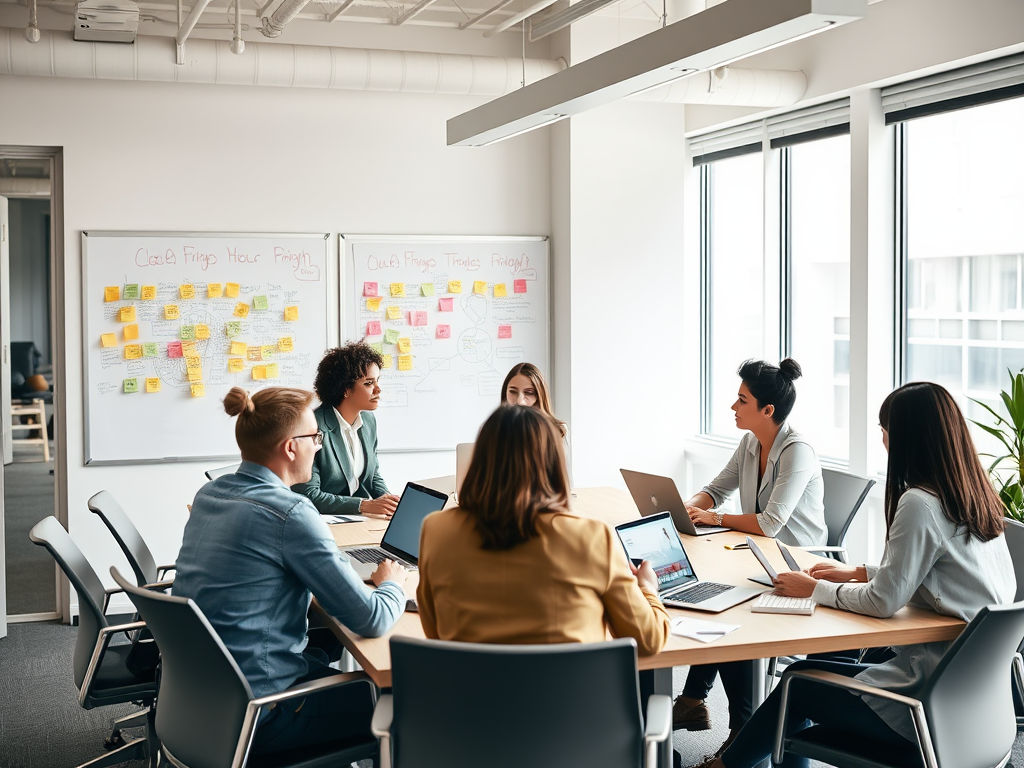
(928, 564)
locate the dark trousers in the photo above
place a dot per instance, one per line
(737, 680)
(808, 702)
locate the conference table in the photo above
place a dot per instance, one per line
(760, 635)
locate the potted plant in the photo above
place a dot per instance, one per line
(1007, 470)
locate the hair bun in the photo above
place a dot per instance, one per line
(236, 401)
(791, 369)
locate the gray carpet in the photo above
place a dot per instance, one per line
(28, 498)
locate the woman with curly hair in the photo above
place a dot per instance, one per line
(346, 477)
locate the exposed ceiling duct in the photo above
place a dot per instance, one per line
(17, 187)
(278, 20)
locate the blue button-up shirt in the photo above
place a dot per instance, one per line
(252, 553)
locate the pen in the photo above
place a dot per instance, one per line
(711, 632)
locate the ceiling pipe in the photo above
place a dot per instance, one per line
(21, 187)
(279, 19)
(32, 31)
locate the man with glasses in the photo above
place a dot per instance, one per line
(253, 555)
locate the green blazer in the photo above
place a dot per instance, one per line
(328, 489)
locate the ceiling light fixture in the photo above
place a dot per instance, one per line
(713, 38)
(524, 126)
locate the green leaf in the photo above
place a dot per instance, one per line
(1018, 401)
(997, 433)
(1011, 408)
(999, 419)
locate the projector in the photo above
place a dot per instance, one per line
(107, 21)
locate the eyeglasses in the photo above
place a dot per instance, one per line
(318, 437)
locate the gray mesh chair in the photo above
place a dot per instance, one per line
(466, 705)
(963, 715)
(128, 538)
(208, 715)
(844, 495)
(104, 673)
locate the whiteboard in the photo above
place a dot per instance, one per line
(130, 422)
(458, 357)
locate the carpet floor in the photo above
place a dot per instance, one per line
(28, 498)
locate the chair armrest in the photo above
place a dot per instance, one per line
(102, 641)
(163, 570)
(380, 726)
(106, 596)
(854, 686)
(159, 586)
(659, 727)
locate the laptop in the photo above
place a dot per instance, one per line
(654, 493)
(463, 456)
(771, 602)
(769, 580)
(401, 541)
(654, 538)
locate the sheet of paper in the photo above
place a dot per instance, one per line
(700, 629)
(336, 519)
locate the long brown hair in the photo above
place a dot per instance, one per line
(265, 419)
(517, 472)
(930, 448)
(532, 372)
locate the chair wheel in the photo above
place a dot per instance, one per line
(113, 741)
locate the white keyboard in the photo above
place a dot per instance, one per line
(770, 602)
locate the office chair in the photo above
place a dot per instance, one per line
(208, 715)
(213, 474)
(104, 673)
(963, 715)
(844, 496)
(1014, 533)
(465, 705)
(140, 558)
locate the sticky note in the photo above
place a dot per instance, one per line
(174, 349)
(373, 328)
(390, 336)
(126, 314)
(373, 305)
(398, 289)
(519, 286)
(377, 347)
(236, 364)
(504, 331)
(149, 349)
(132, 351)
(214, 290)
(253, 354)
(480, 287)
(286, 344)
(131, 385)
(388, 361)
(260, 302)
(108, 340)
(405, 346)
(427, 289)
(198, 389)
(405, 362)
(241, 309)
(291, 313)
(446, 305)
(454, 286)
(274, 371)
(202, 331)
(152, 385)
(444, 331)
(171, 312)
(193, 362)
(500, 289)
(187, 332)
(267, 351)
(259, 372)
(148, 292)
(417, 318)
(131, 332)
(238, 348)
(370, 289)
(112, 293)
(394, 313)
(187, 291)
(131, 292)
(194, 374)
(232, 328)
(188, 348)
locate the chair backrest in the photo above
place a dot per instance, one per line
(458, 705)
(105, 506)
(203, 694)
(968, 698)
(49, 533)
(213, 474)
(844, 495)
(1014, 533)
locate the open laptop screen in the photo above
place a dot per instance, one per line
(403, 534)
(654, 539)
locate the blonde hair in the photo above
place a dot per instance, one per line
(265, 419)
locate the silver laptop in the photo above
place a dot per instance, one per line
(654, 493)
(769, 580)
(463, 456)
(401, 541)
(654, 539)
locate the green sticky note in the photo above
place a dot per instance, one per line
(188, 332)
(427, 289)
(234, 328)
(260, 302)
(377, 347)
(391, 336)
(131, 291)
(149, 349)
(131, 385)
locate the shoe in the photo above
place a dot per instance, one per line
(708, 761)
(695, 718)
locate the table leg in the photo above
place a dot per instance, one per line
(760, 693)
(653, 681)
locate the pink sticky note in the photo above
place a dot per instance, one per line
(444, 331)
(418, 318)
(373, 328)
(505, 331)
(369, 289)
(174, 349)
(446, 305)
(520, 286)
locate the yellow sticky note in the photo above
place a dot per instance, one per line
(214, 290)
(131, 332)
(198, 389)
(238, 348)
(195, 375)
(236, 364)
(398, 289)
(405, 362)
(394, 313)
(171, 312)
(152, 385)
(202, 331)
(193, 362)
(388, 361)
(454, 286)
(373, 303)
(500, 289)
(259, 372)
(188, 348)
(480, 287)
(267, 351)
(241, 309)
(148, 292)
(187, 291)
(291, 313)
(285, 344)
(127, 314)
(274, 371)
(112, 293)
(231, 290)
(404, 346)
(254, 354)
(132, 351)
(108, 340)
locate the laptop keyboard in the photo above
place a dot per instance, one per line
(375, 556)
(698, 594)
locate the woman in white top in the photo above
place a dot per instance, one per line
(525, 385)
(944, 551)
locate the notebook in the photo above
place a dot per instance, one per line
(401, 540)
(654, 493)
(770, 602)
(654, 538)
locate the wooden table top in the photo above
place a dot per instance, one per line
(760, 634)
